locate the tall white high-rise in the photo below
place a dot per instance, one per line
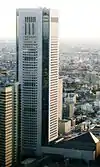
(37, 72)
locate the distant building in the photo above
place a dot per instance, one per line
(69, 99)
(98, 95)
(71, 110)
(85, 126)
(68, 110)
(60, 100)
(73, 122)
(64, 126)
(9, 126)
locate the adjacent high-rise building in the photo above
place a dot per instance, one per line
(60, 101)
(38, 74)
(9, 121)
(6, 116)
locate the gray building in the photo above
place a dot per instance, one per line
(37, 72)
(85, 146)
(69, 99)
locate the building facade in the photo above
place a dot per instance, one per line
(64, 126)
(37, 72)
(16, 124)
(60, 101)
(8, 126)
(69, 99)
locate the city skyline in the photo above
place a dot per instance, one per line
(50, 88)
(78, 19)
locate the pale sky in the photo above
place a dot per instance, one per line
(79, 19)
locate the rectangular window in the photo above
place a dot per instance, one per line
(29, 19)
(32, 28)
(25, 28)
(33, 19)
(29, 29)
(29, 58)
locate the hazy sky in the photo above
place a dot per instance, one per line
(78, 18)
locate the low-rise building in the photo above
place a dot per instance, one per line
(84, 146)
(64, 126)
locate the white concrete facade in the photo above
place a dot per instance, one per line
(53, 76)
(60, 101)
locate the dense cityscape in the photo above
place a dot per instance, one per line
(49, 108)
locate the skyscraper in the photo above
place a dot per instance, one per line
(37, 72)
(6, 116)
(60, 98)
(9, 121)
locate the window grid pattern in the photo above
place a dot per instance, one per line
(29, 85)
(53, 131)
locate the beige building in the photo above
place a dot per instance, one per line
(64, 126)
(8, 126)
(6, 115)
(60, 102)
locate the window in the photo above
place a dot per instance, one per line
(30, 19)
(25, 28)
(29, 58)
(29, 28)
(33, 19)
(32, 28)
